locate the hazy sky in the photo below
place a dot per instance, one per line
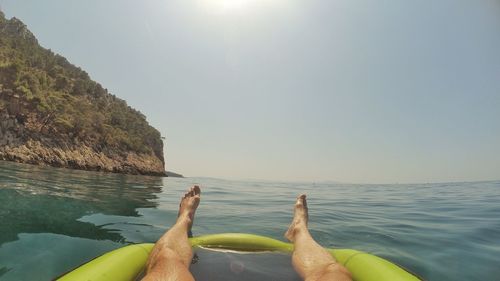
(354, 91)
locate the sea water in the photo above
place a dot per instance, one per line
(52, 220)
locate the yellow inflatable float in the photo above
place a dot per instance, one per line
(127, 263)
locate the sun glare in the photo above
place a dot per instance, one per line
(239, 7)
(231, 5)
(228, 6)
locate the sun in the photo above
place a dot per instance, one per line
(228, 6)
(233, 5)
(236, 8)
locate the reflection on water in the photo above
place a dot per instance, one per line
(52, 220)
(47, 200)
(43, 231)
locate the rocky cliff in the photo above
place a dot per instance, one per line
(52, 113)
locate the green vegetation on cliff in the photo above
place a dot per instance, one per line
(56, 101)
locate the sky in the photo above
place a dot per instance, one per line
(366, 91)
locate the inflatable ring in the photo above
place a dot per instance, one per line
(126, 263)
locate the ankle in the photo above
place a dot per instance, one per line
(184, 218)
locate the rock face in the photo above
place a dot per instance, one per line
(19, 145)
(52, 113)
(16, 27)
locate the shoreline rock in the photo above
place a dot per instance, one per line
(83, 158)
(17, 145)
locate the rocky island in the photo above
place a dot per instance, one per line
(52, 113)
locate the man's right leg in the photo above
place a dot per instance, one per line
(171, 256)
(311, 261)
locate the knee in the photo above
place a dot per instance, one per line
(336, 270)
(163, 258)
(340, 268)
(168, 254)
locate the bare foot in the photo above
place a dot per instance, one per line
(300, 218)
(188, 205)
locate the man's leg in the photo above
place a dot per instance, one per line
(172, 254)
(311, 261)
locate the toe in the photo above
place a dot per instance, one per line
(197, 190)
(300, 200)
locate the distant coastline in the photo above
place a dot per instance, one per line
(173, 175)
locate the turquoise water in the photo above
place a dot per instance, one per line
(54, 219)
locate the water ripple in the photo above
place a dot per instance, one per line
(445, 231)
